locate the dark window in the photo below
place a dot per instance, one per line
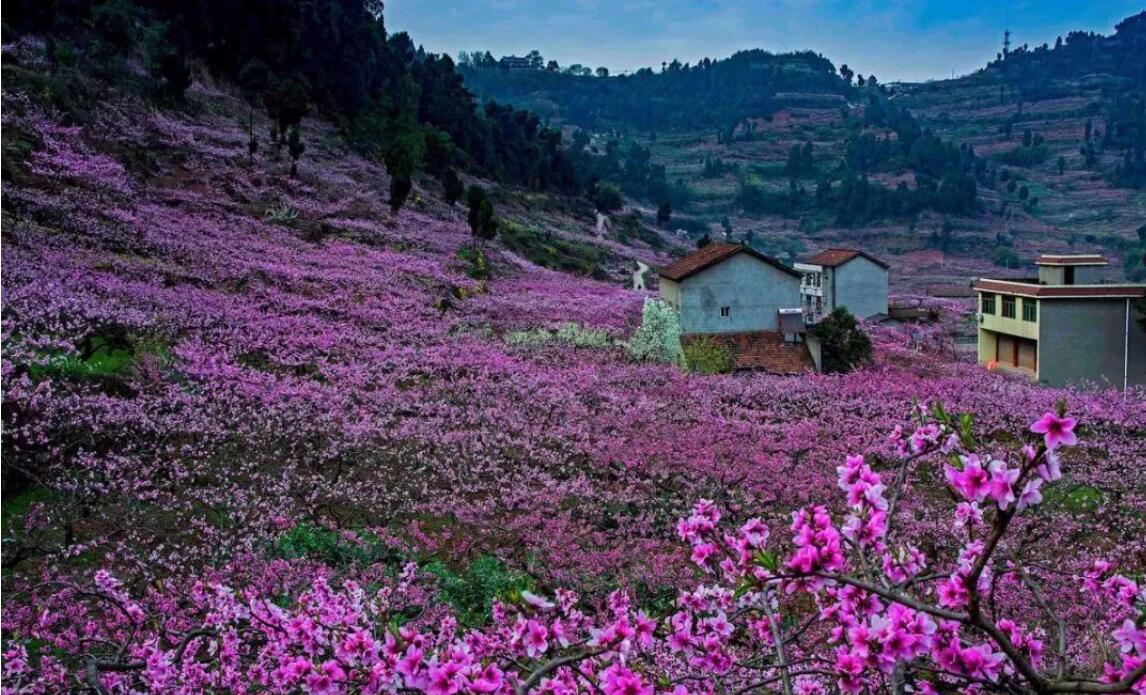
(725, 311)
(988, 303)
(1068, 275)
(1030, 310)
(1008, 307)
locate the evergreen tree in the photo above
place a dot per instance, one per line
(453, 188)
(295, 148)
(664, 213)
(483, 223)
(845, 346)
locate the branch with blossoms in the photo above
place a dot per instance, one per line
(845, 607)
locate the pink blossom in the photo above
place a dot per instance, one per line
(1056, 431)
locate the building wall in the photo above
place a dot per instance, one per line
(754, 292)
(1084, 340)
(670, 293)
(1016, 326)
(1089, 274)
(1083, 274)
(1050, 275)
(859, 285)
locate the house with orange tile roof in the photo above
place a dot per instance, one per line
(1067, 326)
(741, 299)
(837, 277)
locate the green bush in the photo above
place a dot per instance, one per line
(704, 356)
(333, 548)
(551, 251)
(477, 263)
(845, 346)
(472, 591)
(608, 197)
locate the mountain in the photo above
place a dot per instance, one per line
(1041, 150)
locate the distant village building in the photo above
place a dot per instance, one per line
(530, 62)
(1067, 326)
(849, 278)
(742, 299)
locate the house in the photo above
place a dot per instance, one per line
(529, 62)
(1064, 327)
(739, 298)
(849, 278)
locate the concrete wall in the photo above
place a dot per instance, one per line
(1084, 340)
(1083, 274)
(1016, 326)
(753, 290)
(859, 285)
(670, 293)
(1089, 274)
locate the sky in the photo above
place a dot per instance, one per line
(908, 40)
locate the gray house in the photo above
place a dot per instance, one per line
(849, 278)
(1064, 327)
(740, 298)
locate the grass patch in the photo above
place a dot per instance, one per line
(332, 548)
(552, 252)
(16, 508)
(472, 591)
(103, 356)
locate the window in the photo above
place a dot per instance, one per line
(725, 312)
(1068, 275)
(988, 303)
(1030, 310)
(1008, 307)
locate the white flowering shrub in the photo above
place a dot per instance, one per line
(658, 338)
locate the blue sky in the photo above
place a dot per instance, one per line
(907, 40)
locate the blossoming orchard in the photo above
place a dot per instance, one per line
(261, 434)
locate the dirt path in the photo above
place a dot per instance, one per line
(639, 276)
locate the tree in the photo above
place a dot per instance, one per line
(608, 197)
(552, 66)
(295, 148)
(483, 224)
(658, 338)
(287, 102)
(1061, 165)
(401, 161)
(1006, 258)
(664, 213)
(254, 77)
(845, 345)
(452, 187)
(602, 71)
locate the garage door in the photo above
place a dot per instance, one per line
(1028, 354)
(1006, 351)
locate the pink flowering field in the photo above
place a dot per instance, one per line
(205, 361)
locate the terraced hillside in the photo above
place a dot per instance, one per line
(1052, 137)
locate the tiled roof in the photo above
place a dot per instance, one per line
(710, 255)
(1083, 259)
(763, 350)
(1027, 289)
(833, 257)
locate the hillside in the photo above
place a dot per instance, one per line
(737, 165)
(266, 431)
